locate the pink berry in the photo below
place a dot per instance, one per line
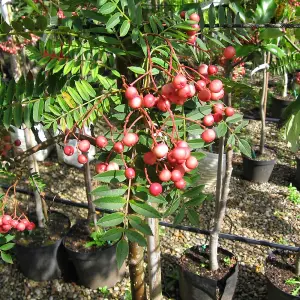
(155, 189)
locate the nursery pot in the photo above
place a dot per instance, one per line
(197, 287)
(278, 106)
(97, 268)
(257, 170)
(208, 169)
(297, 178)
(44, 262)
(275, 293)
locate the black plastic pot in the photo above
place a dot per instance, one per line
(278, 106)
(257, 170)
(297, 177)
(275, 293)
(45, 262)
(98, 268)
(197, 287)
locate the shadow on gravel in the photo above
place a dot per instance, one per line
(282, 175)
(251, 284)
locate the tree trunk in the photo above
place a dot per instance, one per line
(154, 261)
(136, 271)
(88, 188)
(285, 85)
(297, 264)
(262, 110)
(33, 166)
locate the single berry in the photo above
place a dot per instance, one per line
(176, 175)
(155, 189)
(100, 168)
(216, 86)
(208, 135)
(203, 69)
(135, 102)
(112, 166)
(131, 92)
(6, 219)
(69, 150)
(200, 85)
(101, 141)
(14, 223)
(82, 159)
(164, 175)
(149, 101)
(229, 52)
(163, 105)
(118, 147)
(211, 70)
(182, 144)
(30, 226)
(130, 139)
(204, 95)
(21, 226)
(179, 81)
(194, 17)
(129, 173)
(18, 143)
(84, 146)
(180, 184)
(229, 111)
(217, 96)
(191, 162)
(218, 108)
(160, 150)
(208, 120)
(179, 153)
(218, 117)
(150, 158)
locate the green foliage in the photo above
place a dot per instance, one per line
(294, 195)
(296, 283)
(97, 240)
(288, 63)
(5, 246)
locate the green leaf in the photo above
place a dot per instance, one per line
(17, 26)
(114, 202)
(135, 237)
(179, 217)
(137, 70)
(143, 193)
(274, 49)
(28, 24)
(111, 176)
(7, 117)
(124, 28)
(27, 115)
(234, 119)
(29, 87)
(211, 16)
(55, 110)
(231, 140)
(172, 207)
(201, 44)
(193, 217)
(32, 5)
(221, 130)
(82, 91)
(265, 11)
(221, 15)
(111, 220)
(108, 8)
(144, 209)
(197, 201)
(51, 64)
(244, 147)
(75, 96)
(107, 191)
(270, 33)
(17, 113)
(88, 88)
(131, 9)
(38, 108)
(113, 21)
(112, 234)
(7, 246)
(85, 68)
(193, 192)
(122, 252)
(10, 92)
(139, 224)
(196, 143)
(199, 155)
(68, 67)
(6, 257)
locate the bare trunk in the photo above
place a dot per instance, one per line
(88, 188)
(262, 110)
(285, 85)
(136, 271)
(154, 261)
(33, 166)
(297, 264)
(214, 236)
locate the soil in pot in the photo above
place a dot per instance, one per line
(197, 282)
(260, 167)
(280, 269)
(95, 266)
(39, 252)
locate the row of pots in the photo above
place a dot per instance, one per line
(99, 268)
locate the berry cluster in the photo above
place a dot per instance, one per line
(192, 33)
(239, 71)
(7, 223)
(297, 78)
(6, 145)
(12, 48)
(294, 3)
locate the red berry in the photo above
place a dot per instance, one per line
(208, 120)
(131, 92)
(218, 108)
(130, 139)
(6, 138)
(217, 96)
(203, 69)
(193, 32)
(160, 150)
(135, 102)
(180, 184)
(21, 226)
(155, 189)
(184, 92)
(200, 85)
(192, 91)
(6, 227)
(229, 111)
(229, 52)
(118, 147)
(182, 144)
(163, 105)
(179, 81)
(208, 135)
(149, 101)
(176, 175)
(181, 169)
(30, 226)
(204, 95)
(182, 14)
(14, 223)
(112, 166)
(170, 158)
(194, 17)
(165, 175)
(216, 86)
(179, 153)
(82, 159)
(130, 173)
(25, 221)
(218, 117)
(101, 141)
(168, 90)
(211, 70)
(18, 143)
(149, 158)
(100, 168)
(6, 220)
(191, 162)
(192, 39)
(84, 146)
(7, 147)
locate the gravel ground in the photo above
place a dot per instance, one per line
(255, 211)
